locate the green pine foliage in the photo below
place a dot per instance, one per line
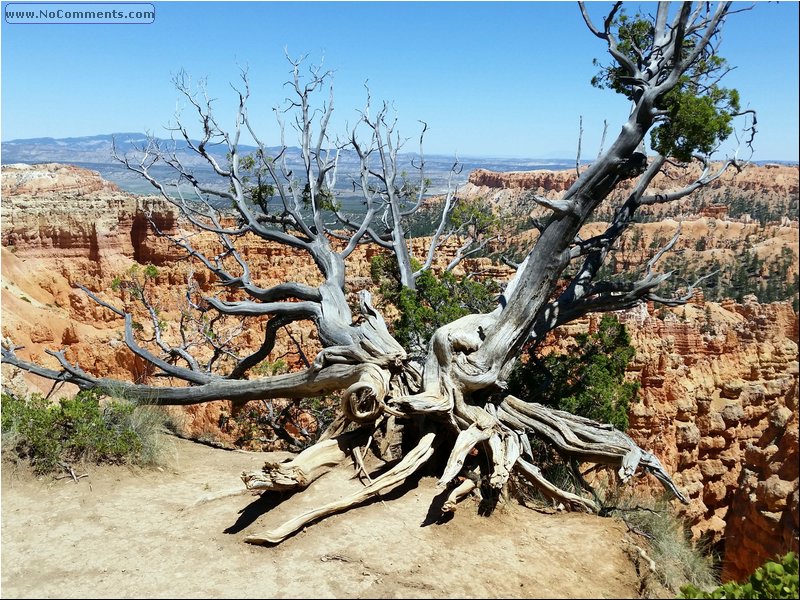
(765, 278)
(775, 579)
(698, 110)
(697, 122)
(254, 176)
(438, 300)
(588, 381)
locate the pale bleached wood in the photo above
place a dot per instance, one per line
(410, 463)
(238, 491)
(308, 466)
(533, 474)
(585, 440)
(465, 442)
(458, 494)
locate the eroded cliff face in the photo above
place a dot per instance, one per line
(771, 178)
(718, 405)
(772, 185)
(63, 226)
(719, 382)
(52, 178)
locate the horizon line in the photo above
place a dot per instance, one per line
(450, 155)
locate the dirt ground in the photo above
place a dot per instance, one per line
(130, 532)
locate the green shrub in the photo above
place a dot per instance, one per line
(775, 579)
(268, 369)
(80, 429)
(151, 425)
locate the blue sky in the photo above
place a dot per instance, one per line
(489, 78)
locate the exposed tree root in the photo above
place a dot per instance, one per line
(458, 494)
(534, 475)
(410, 463)
(585, 439)
(499, 431)
(465, 442)
(306, 467)
(217, 496)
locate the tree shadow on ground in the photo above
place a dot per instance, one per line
(264, 503)
(435, 514)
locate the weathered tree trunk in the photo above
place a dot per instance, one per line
(459, 390)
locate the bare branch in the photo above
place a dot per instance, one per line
(252, 309)
(602, 139)
(309, 382)
(578, 157)
(130, 340)
(450, 202)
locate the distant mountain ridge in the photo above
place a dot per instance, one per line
(93, 149)
(97, 149)
(96, 152)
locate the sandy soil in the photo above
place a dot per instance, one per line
(126, 532)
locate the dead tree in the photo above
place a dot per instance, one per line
(454, 396)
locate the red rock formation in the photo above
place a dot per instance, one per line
(778, 179)
(708, 233)
(718, 382)
(72, 228)
(49, 179)
(717, 211)
(718, 403)
(540, 180)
